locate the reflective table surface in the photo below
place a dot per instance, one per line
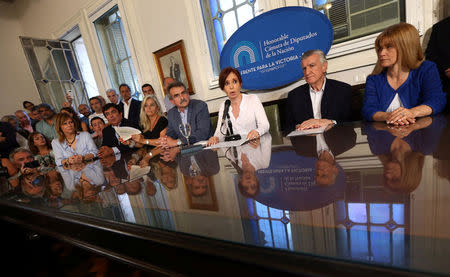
(364, 194)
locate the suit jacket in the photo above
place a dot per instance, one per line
(437, 50)
(336, 104)
(110, 139)
(134, 112)
(197, 117)
(207, 160)
(339, 139)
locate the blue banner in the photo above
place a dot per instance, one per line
(267, 50)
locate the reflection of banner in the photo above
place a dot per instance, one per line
(289, 184)
(267, 49)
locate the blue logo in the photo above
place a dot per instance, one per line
(245, 53)
(267, 50)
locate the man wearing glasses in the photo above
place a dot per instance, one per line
(47, 125)
(195, 112)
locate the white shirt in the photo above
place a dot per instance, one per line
(101, 115)
(126, 108)
(259, 157)
(316, 100)
(252, 116)
(322, 145)
(395, 104)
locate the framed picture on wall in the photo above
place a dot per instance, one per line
(171, 61)
(200, 192)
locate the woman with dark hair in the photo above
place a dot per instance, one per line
(71, 146)
(79, 125)
(42, 150)
(28, 105)
(245, 111)
(402, 86)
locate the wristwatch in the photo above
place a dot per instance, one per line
(146, 142)
(150, 154)
(334, 121)
(179, 142)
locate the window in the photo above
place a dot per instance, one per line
(116, 51)
(356, 18)
(222, 18)
(85, 67)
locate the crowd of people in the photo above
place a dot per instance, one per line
(402, 88)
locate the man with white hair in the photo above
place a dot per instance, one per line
(319, 102)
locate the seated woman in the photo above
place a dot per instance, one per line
(42, 150)
(79, 125)
(403, 86)
(245, 112)
(71, 146)
(154, 126)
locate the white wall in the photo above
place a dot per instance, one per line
(15, 75)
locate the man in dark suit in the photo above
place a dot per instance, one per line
(131, 107)
(321, 101)
(111, 144)
(195, 112)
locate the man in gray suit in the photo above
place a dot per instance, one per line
(186, 110)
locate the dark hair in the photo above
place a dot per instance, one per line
(33, 148)
(174, 85)
(125, 85)
(97, 118)
(224, 74)
(46, 106)
(95, 97)
(35, 108)
(108, 106)
(75, 117)
(25, 103)
(147, 85)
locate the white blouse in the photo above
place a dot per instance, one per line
(251, 117)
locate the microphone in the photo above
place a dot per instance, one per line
(229, 136)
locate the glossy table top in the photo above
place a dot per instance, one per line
(363, 192)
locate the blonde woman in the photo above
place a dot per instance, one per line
(403, 86)
(71, 146)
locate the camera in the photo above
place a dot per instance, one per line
(4, 172)
(33, 164)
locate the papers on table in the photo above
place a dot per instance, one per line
(126, 132)
(319, 130)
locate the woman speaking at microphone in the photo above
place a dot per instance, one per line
(244, 111)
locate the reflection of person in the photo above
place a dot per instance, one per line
(246, 112)
(42, 149)
(166, 172)
(249, 158)
(97, 108)
(174, 69)
(437, 51)
(97, 126)
(71, 146)
(402, 86)
(321, 101)
(186, 110)
(79, 125)
(167, 103)
(325, 147)
(401, 151)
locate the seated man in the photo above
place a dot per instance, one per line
(130, 107)
(195, 112)
(321, 101)
(111, 144)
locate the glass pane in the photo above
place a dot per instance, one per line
(359, 242)
(61, 65)
(39, 42)
(57, 94)
(340, 211)
(357, 212)
(85, 67)
(54, 44)
(32, 60)
(379, 213)
(261, 210)
(43, 56)
(398, 246)
(116, 33)
(229, 23)
(66, 45)
(26, 41)
(239, 2)
(213, 7)
(380, 244)
(275, 213)
(137, 87)
(398, 211)
(244, 14)
(45, 92)
(72, 64)
(289, 233)
(112, 18)
(226, 4)
(265, 235)
(219, 35)
(279, 234)
(341, 241)
(79, 93)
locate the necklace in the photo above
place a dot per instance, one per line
(71, 142)
(152, 125)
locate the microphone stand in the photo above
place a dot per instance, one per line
(230, 136)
